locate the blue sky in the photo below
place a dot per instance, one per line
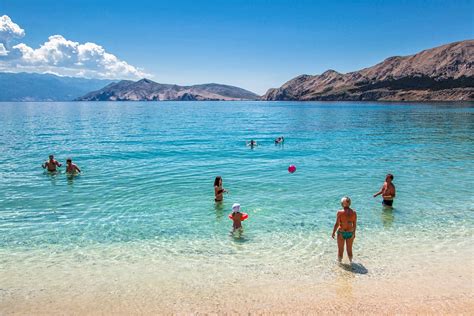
(252, 44)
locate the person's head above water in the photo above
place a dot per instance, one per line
(51, 157)
(69, 160)
(346, 201)
(389, 177)
(218, 181)
(236, 208)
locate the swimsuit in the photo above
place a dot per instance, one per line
(387, 202)
(345, 235)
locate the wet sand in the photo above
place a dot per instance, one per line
(438, 285)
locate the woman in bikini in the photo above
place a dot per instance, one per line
(346, 224)
(218, 189)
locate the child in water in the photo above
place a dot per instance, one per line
(346, 224)
(237, 218)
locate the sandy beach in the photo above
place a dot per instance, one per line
(414, 282)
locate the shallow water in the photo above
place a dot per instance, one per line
(146, 191)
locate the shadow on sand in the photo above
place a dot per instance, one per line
(356, 268)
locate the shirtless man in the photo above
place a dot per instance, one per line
(71, 168)
(387, 191)
(346, 224)
(51, 164)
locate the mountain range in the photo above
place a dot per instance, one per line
(444, 73)
(45, 87)
(148, 90)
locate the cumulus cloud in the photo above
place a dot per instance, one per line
(62, 56)
(9, 30)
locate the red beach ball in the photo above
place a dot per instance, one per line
(291, 168)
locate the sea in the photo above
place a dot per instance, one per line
(144, 201)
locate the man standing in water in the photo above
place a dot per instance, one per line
(51, 164)
(387, 191)
(71, 168)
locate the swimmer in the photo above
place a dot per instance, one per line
(279, 140)
(251, 143)
(346, 224)
(387, 191)
(218, 189)
(51, 164)
(236, 218)
(71, 168)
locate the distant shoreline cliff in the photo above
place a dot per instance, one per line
(148, 90)
(444, 73)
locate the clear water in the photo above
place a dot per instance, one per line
(146, 191)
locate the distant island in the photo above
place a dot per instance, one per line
(148, 90)
(444, 73)
(21, 87)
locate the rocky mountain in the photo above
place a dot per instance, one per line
(148, 90)
(444, 73)
(45, 87)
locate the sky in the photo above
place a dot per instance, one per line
(253, 44)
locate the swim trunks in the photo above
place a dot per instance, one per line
(387, 202)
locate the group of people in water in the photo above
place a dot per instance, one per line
(52, 164)
(346, 218)
(252, 143)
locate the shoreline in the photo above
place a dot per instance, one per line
(454, 102)
(78, 282)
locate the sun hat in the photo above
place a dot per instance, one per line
(236, 207)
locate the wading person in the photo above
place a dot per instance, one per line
(51, 164)
(218, 189)
(346, 224)
(387, 191)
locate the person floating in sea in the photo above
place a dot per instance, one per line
(387, 191)
(237, 218)
(218, 189)
(51, 164)
(252, 143)
(71, 168)
(279, 140)
(346, 224)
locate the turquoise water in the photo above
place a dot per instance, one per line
(148, 171)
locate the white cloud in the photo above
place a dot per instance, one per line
(9, 30)
(3, 50)
(62, 56)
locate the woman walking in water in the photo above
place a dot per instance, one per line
(346, 224)
(218, 189)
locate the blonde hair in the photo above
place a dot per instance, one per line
(346, 199)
